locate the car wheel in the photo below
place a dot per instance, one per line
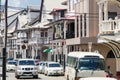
(47, 74)
(35, 76)
(17, 76)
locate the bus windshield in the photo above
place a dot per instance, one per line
(91, 64)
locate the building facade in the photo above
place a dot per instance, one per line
(95, 27)
(76, 25)
(108, 35)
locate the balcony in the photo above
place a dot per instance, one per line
(110, 26)
(22, 40)
(39, 41)
(110, 29)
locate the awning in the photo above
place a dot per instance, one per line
(48, 50)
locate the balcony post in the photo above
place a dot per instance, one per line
(65, 22)
(100, 12)
(100, 16)
(106, 10)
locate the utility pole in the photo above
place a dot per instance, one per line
(5, 44)
(41, 8)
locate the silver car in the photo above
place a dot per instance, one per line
(26, 67)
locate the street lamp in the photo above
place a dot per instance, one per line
(5, 44)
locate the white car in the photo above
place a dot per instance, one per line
(97, 78)
(26, 67)
(41, 66)
(53, 68)
(11, 65)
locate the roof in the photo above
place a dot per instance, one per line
(57, 10)
(40, 25)
(82, 54)
(62, 19)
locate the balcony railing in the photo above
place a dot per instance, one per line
(22, 40)
(110, 27)
(39, 41)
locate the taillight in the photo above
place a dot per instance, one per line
(107, 75)
(78, 78)
(118, 75)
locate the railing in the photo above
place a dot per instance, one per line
(110, 27)
(22, 40)
(39, 41)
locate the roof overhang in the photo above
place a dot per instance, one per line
(60, 20)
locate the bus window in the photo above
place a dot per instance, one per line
(71, 61)
(91, 64)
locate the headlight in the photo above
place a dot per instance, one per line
(19, 68)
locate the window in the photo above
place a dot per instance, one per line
(46, 34)
(110, 55)
(112, 15)
(71, 61)
(91, 64)
(54, 65)
(62, 13)
(12, 63)
(85, 30)
(42, 34)
(81, 26)
(26, 62)
(77, 26)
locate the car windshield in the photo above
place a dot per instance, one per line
(54, 65)
(42, 63)
(26, 62)
(91, 64)
(12, 63)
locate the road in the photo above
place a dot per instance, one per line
(11, 76)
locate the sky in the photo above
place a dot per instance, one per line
(21, 3)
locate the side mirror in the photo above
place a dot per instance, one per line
(76, 65)
(16, 64)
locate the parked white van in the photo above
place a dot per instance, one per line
(84, 64)
(97, 78)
